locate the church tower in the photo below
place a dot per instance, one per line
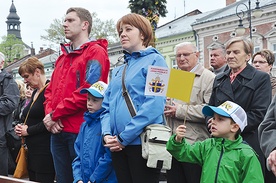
(13, 23)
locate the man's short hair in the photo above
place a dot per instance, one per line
(217, 46)
(83, 14)
(180, 45)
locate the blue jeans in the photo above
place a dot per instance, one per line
(63, 152)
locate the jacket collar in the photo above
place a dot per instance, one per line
(199, 70)
(92, 117)
(141, 53)
(248, 72)
(229, 144)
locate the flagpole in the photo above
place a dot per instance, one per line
(186, 113)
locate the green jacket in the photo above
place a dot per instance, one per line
(222, 160)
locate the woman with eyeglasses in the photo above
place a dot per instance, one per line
(263, 60)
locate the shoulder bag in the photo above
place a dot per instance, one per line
(153, 138)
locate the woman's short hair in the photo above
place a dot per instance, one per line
(30, 65)
(247, 44)
(140, 23)
(267, 54)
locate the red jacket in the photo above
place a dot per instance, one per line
(73, 71)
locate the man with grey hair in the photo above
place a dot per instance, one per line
(218, 58)
(177, 111)
(9, 98)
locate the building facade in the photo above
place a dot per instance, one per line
(220, 26)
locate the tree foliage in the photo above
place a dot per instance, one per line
(151, 9)
(100, 29)
(143, 6)
(12, 48)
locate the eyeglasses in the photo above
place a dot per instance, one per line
(259, 61)
(184, 54)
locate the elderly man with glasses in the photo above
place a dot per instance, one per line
(187, 57)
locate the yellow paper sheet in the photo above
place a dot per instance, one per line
(180, 85)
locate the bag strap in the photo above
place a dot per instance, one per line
(23, 139)
(125, 94)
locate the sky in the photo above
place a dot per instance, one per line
(37, 15)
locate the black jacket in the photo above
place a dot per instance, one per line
(9, 98)
(252, 91)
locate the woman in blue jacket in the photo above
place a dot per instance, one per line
(121, 131)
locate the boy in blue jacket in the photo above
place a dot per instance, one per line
(225, 157)
(93, 162)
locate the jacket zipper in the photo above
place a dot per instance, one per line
(78, 79)
(220, 157)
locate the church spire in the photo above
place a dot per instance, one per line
(13, 23)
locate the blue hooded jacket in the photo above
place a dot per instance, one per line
(116, 119)
(93, 161)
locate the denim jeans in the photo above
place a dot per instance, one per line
(63, 152)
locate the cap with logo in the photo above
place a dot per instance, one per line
(228, 109)
(97, 89)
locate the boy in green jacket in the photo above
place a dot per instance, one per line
(226, 157)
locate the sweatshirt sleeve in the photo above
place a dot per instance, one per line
(103, 168)
(184, 152)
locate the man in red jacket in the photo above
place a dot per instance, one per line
(82, 63)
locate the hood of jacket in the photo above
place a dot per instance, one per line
(142, 53)
(65, 48)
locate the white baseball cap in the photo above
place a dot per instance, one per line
(228, 109)
(97, 89)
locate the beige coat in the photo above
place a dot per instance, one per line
(195, 120)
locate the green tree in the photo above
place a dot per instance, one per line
(100, 29)
(12, 48)
(151, 9)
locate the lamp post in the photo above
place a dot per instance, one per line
(257, 12)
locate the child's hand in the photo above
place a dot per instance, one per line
(180, 133)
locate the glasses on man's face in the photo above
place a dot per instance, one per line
(259, 61)
(184, 54)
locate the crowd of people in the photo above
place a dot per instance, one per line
(79, 129)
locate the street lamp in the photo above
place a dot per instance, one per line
(257, 12)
